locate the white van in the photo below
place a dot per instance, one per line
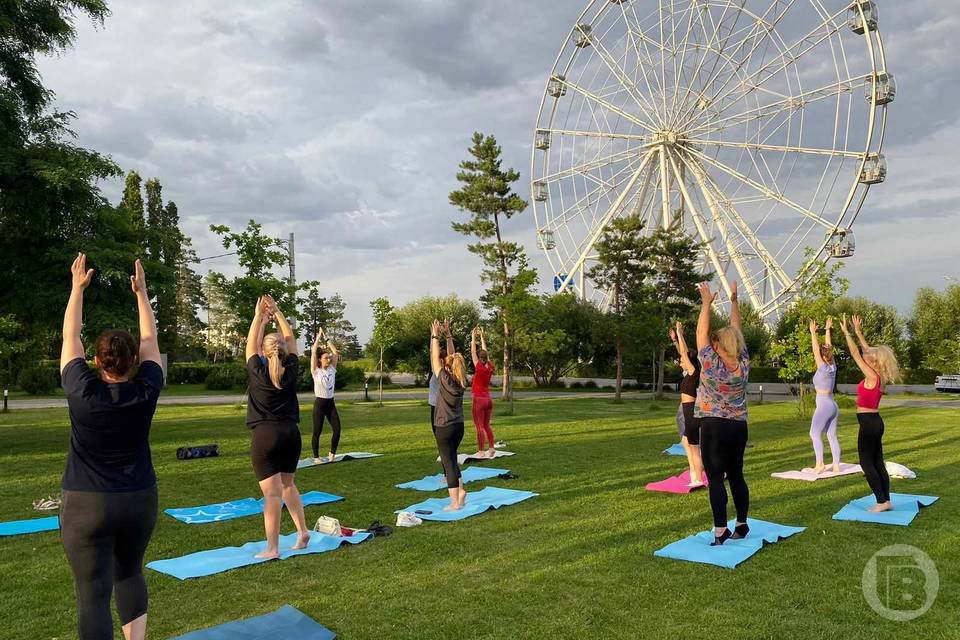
(948, 384)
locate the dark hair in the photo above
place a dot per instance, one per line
(118, 352)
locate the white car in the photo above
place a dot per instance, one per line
(950, 383)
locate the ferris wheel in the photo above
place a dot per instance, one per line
(756, 124)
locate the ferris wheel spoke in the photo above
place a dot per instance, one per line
(772, 109)
(606, 104)
(759, 31)
(712, 190)
(700, 225)
(601, 225)
(684, 45)
(625, 81)
(592, 165)
(642, 64)
(595, 195)
(770, 193)
(784, 60)
(636, 33)
(840, 153)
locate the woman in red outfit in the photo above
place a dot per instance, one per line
(482, 402)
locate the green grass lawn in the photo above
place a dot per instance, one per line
(575, 562)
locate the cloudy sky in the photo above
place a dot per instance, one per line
(344, 121)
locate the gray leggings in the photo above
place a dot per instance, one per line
(105, 536)
(825, 421)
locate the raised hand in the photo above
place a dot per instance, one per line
(843, 325)
(857, 323)
(138, 281)
(673, 336)
(705, 294)
(271, 305)
(829, 325)
(435, 328)
(733, 291)
(813, 326)
(446, 326)
(82, 276)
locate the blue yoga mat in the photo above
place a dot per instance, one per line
(675, 450)
(340, 457)
(286, 623)
(477, 502)
(469, 474)
(206, 563)
(35, 525)
(696, 548)
(239, 508)
(905, 509)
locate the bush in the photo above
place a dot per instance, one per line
(188, 372)
(576, 385)
(765, 374)
(226, 377)
(374, 380)
(590, 384)
(37, 380)
(920, 376)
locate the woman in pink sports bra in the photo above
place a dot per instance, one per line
(879, 367)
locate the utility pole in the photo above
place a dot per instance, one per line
(291, 260)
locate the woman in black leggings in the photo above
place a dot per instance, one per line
(451, 373)
(109, 504)
(722, 409)
(324, 372)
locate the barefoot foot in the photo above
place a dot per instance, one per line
(819, 468)
(879, 508)
(462, 496)
(302, 541)
(836, 467)
(331, 457)
(318, 461)
(453, 506)
(268, 554)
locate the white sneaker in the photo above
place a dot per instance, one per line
(407, 519)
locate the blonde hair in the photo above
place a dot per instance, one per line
(731, 340)
(826, 352)
(457, 368)
(275, 350)
(882, 360)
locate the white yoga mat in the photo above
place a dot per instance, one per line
(809, 475)
(463, 458)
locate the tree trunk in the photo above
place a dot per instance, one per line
(663, 355)
(507, 349)
(619, 365)
(381, 377)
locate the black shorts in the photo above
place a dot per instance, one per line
(691, 425)
(275, 448)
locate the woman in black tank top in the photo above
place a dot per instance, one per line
(688, 398)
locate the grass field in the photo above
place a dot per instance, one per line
(575, 562)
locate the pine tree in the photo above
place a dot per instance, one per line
(488, 197)
(131, 205)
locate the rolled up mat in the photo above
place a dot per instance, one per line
(33, 525)
(198, 451)
(675, 450)
(286, 623)
(470, 474)
(905, 508)
(477, 502)
(206, 563)
(340, 457)
(239, 508)
(696, 548)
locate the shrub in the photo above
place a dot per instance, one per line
(350, 374)
(576, 385)
(37, 380)
(188, 372)
(590, 384)
(374, 379)
(226, 377)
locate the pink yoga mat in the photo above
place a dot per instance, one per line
(675, 484)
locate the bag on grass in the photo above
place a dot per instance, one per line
(328, 526)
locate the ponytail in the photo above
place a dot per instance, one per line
(275, 350)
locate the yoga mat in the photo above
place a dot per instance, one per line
(470, 474)
(340, 457)
(286, 623)
(464, 458)
(905, 509)
(239, 508)
(807, 473)
(676, 484)
(675, 450)
(34, 525)
(207, 563)
(477, 502)
(696, 548)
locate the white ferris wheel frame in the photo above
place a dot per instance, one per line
(665, 136)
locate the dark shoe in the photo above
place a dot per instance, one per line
(740, 531)
(717, 541)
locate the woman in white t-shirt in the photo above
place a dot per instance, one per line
(324, 374)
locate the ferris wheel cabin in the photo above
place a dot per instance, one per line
(556, 86)
(867, 20)
(545, 240)
(874, 169)
(882, 88)
(582, 39)
(539, 191)
(841, 243)
(541, 140)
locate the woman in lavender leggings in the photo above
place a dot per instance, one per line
(827, 412)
